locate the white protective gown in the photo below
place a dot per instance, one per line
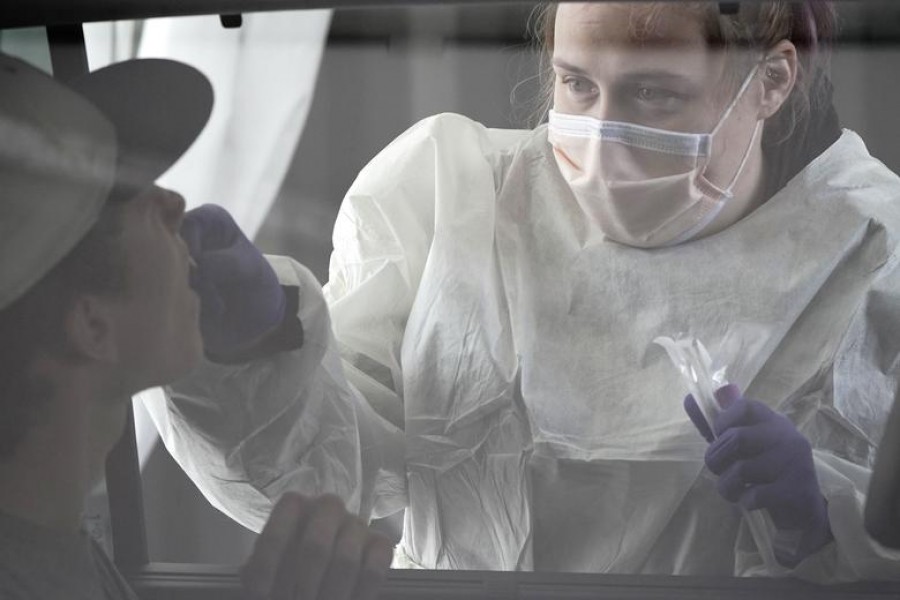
(492, 369)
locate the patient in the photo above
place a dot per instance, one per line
(95, 305)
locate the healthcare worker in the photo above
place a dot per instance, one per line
(483, 354)
(95, 305)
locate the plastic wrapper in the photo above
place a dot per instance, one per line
(703, 374)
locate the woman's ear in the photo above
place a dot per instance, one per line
(90, 327)
(779, 74)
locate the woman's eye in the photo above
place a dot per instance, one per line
(579, 87)
(657, 97)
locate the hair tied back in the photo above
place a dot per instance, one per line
(729, 8)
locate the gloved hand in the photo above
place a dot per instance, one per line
(763, 462)
(241, 300)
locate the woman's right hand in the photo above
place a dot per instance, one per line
(241, 300)
(313, 549)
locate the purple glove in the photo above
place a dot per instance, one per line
(763, 462)
(240, 297)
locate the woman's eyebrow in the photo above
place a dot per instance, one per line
(657, 75)
(568, 67)
(631, 76)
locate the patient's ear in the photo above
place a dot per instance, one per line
(90, 329)
(779, 75)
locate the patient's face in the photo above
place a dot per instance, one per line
(160, 337)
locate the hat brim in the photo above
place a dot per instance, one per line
(158, 108)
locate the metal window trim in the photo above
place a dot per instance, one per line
(126, 501)
(158, 581)
(53, 12)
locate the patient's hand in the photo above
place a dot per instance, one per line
(313, 549)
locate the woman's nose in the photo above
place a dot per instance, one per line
(605, 110)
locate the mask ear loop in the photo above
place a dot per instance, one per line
(737, 98)
(728, 190)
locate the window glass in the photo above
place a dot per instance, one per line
(29, 44)
(496, 281)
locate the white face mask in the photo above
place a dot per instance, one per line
(643, 187)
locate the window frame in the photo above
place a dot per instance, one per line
(174, 581)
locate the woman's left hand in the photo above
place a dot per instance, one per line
(764, 462)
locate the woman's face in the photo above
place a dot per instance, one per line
(613, 63)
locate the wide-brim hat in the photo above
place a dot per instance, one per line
(67, 149)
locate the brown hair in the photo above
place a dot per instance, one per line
(34, 322)
(806, 124)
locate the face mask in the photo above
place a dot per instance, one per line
(643, 187)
